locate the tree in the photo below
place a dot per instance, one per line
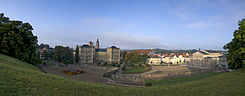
(77, 58)
(135, 57)
(63, 54)
(144, 58)
(17, 40)
(43, 46)
(45, 51)
(126, 57)
(236, 48)
(47, 55)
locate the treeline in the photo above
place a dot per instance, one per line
(174, 51)
(59, 53)
(17, 40)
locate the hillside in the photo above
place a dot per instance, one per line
(20, 78)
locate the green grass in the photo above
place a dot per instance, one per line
(20, 78)
(174, 81)
(136, 70)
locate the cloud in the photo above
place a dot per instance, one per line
(185, 9)
(110, 32)
(201, 14)
(203, 24)
(128, 40)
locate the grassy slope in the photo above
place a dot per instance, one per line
(17, 77)
(173, 81)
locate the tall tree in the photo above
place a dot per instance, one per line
(63, 54)
(17, 40)
(236, 48)
(77, 58)
(47, 55)
(43, 46)
(126, 57)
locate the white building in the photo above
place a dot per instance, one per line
(171, 59)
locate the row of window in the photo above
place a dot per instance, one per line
(86, 49)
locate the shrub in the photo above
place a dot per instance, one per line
(148, 84)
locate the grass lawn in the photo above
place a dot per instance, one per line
(174, 81)
(20, 78)
(136, 70)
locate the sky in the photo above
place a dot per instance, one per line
(130, 24)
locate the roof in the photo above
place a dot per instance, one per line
(85, 45)
(100, 50)
(211, 51)
(203, 53)
(113, 47)
(164, 54)
(154, 56)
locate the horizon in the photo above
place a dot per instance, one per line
(171, 25)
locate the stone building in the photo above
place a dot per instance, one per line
(93, 54)
(206, 58)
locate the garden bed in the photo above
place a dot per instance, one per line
(73, 72)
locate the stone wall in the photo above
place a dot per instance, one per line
(163, 74)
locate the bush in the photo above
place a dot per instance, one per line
(148, 84)
(124, 68)
(44, 63)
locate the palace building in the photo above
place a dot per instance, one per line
(90, 54)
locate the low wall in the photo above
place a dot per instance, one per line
(142, 77)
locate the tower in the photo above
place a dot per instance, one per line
(97, 44)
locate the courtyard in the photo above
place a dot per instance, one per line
(94, 74)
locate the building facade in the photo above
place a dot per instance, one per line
(207, 58)
(90, 54)
(164, 58)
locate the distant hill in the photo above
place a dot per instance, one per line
(20, 78)
(182, 51)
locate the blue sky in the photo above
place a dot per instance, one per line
(130, 24)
